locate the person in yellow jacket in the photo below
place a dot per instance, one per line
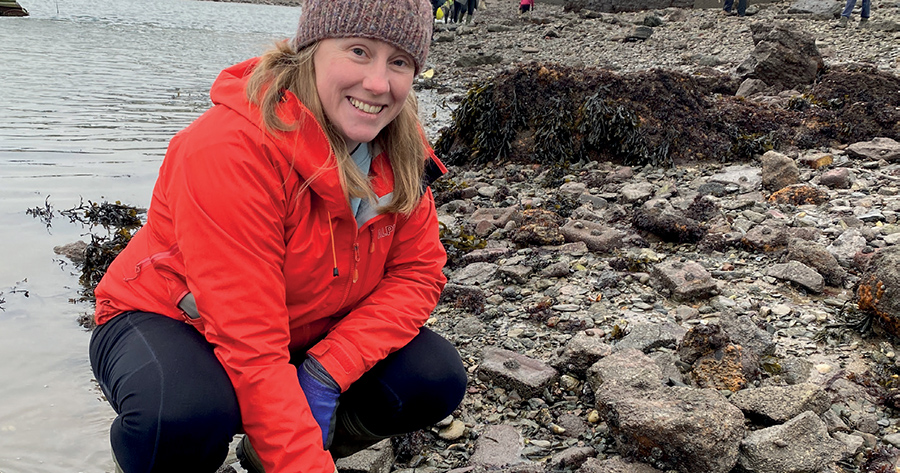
(289, 262)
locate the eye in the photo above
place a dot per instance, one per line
(358, 51)
(401, 62)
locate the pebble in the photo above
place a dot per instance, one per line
(454, 431)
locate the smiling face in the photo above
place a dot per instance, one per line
(362, 84)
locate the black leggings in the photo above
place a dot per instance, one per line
(460, 11)
(177, 410)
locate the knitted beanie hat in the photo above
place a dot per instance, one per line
(406, 24)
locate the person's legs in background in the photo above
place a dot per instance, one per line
(848, 8)
(864, 14)
(742, 7)
(727, 7)
(176, 406)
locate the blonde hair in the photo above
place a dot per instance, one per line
(281, 68)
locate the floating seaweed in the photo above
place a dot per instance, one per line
(44, 214)
(119, 221)
(108, 215)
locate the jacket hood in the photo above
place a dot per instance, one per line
(305, 148)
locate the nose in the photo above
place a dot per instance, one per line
(376, 79)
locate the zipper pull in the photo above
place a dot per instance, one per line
(356, 266)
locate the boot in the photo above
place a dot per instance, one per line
(468, 19)
(350, 436)
(249, 459)
(863, 22)
(843, 22)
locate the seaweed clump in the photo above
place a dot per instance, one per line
(458, 243)
(553, 115)
(119, 221)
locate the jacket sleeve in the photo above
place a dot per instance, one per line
(227, 201)
(399, 305)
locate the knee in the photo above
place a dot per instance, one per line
(443, 382)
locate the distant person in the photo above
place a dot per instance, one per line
(290, 259)
(458, 9)
(435, 6)
(464, 8)
(741, 7)
(526, 6)
(863, 15)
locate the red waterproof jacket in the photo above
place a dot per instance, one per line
(275, 266)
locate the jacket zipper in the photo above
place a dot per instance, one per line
(152, 259)
(355, 261)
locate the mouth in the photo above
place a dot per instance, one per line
(362, 106)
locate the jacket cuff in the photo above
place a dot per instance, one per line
(344, 365)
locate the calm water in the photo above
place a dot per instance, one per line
(90, 93)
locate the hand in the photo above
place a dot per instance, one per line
(322, 393)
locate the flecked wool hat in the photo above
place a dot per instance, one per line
(406, 24)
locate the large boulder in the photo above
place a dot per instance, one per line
(818, 9)
(879, 148)
(684, 429)
(801, 445)
(879, 288)
(783, 56)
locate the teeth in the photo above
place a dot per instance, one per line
(365, 107)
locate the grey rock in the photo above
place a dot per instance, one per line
(800, 274)
(846, 246)
(801, 445)
(376, 459)
(517, 273)
(817, 257)
(747, 178)
(499, 446)
(685, 281)
(778, 171)
(636, 193)
(629, 367)
(497, 218)
(744, 332)
(573, 457)
(475, 274)
(836, 178)
(74, 251)
(766, 238)
(582, 351)
(853, 443)
(517, 372)
(783, 56)
(879, 148)
(479, 59)
(615, 465)
(597, 237)
(674, 427)
(818, 9)
(751, 86)
(639, 33)
(648, 337)
(779, 404)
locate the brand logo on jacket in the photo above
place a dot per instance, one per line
(385, 231)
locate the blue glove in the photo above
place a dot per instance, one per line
(322, 393)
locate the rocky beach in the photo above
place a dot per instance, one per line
(599, 336)
(710, 315)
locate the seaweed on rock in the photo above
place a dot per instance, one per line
(554, 115)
